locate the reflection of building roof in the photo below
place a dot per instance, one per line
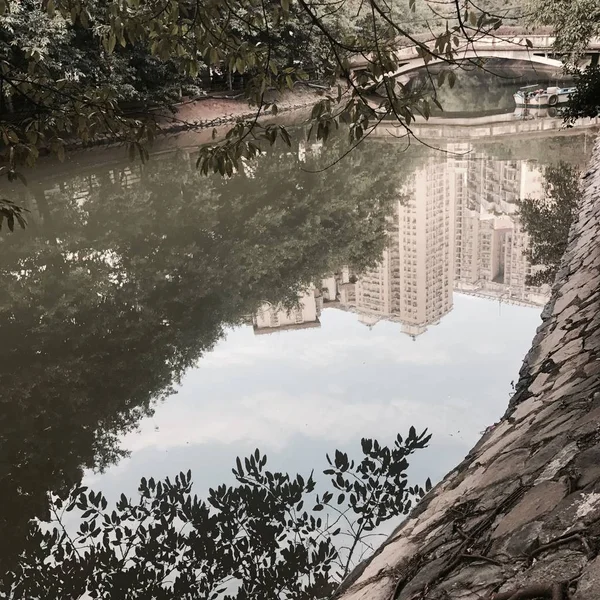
(266, 330)
(371, 318)
(368, 319)
(415, 330)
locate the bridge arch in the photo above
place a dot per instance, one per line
(515, 55)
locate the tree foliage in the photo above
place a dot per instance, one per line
(69, 69)
(547, 220)
(585, 102)
(268, 536)
(575, 23)
(10, 213)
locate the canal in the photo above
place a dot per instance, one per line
(154, 320)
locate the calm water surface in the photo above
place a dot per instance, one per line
(153, 320)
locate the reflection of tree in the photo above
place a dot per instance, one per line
(268, 536)
(547, 220)
(102, 315)
(473, 91)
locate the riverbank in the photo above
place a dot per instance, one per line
(196, 123)
(212, 111)
(206, 119)
(521, 513)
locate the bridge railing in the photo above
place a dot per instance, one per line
(513, 39)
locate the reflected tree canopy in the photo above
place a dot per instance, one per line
(267, 536)
(548, 220)
(126, 276)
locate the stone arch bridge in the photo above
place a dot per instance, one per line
(536, 48)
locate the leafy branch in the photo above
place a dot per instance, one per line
(257, 538)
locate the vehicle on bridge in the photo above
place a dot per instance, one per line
(533, 95)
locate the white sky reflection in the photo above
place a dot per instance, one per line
(299, 394)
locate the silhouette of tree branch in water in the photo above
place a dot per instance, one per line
(268, 536)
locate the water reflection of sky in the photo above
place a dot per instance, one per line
(300, 394)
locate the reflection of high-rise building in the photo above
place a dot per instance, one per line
(425, 238)
(454, 228)
(490, 250)
(270, 318)
(412, 284)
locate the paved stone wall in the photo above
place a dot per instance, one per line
(521, 513)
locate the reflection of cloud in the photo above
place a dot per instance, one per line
(323, 352)
(343, 382)
(224, 356)
(271, 419)
(300, 394)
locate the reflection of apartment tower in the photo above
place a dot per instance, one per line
(518, 268)
(456, 229)
(270, 319)
(466, 222)
(490, 244)
(412, 284)
(309, 149)
(493, 185)
(373, 289)
(425, 247)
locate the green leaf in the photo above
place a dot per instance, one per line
(21, 220)
(451, 79)
(285, 136)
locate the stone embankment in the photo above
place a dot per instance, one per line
(520, 516)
